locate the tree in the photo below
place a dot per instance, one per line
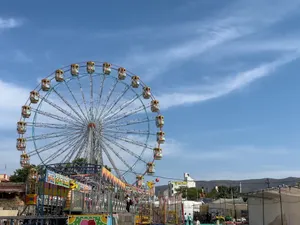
(20, 175)
(224, 192)
(79, 162)
(189, 193)
(212, 194)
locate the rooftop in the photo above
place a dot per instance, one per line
(12, 187)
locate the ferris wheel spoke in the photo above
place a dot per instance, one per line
(125, 131)
(100, 94)
(54, 126)
(117, 100)
(130, 141)
(118, 156)
(109, 96)
(78, 105)
(111, 160)
(60, 151)
(82, 95)
(73, 149)
(138, 157)
(81, 149)
(130, 122)
(66, 102)
(59, 118)
(51, 135)
(91, 96)
(125, 115)
(50, 145)
(56, 154)
(123, 106)
(61, 109)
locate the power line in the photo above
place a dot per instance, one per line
(267, 181)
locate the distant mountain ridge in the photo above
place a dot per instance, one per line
(248, 185)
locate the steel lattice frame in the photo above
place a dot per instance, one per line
(94, 125)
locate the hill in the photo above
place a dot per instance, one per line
(249, 185)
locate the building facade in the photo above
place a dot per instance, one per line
(4, 178)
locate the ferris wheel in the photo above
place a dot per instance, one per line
(96, 111)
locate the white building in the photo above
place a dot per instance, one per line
(188, 182)
(189, 207)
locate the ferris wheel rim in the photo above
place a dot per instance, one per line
(83, 76)
(65, 69)
(100, 65)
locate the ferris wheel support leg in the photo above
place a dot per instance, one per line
(91, 147)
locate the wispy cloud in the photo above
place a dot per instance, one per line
(224, 87)
(9, 23)
(209, 34)
(20, 57)
(15, 56)
(263, 45)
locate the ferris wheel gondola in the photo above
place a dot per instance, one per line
(95, 111)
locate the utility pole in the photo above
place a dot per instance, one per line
(240, 187)
(281, 210)
(268, 182)
(186, 192)
(233, 201)
(263, 206)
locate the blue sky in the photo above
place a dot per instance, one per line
(226, 74)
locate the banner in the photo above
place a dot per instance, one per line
(77, 186)
(57, 179)
(100, 219)
(62, 181)
(53, 190)
(50, 177)
(31, 199)
(179, 183)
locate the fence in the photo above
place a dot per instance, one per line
(277, 206)
(168, 211)
(234, 210)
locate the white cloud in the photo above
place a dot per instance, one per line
(9, 23)
(224, 87)
(12, 97)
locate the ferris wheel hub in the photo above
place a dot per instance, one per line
(92, 125)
